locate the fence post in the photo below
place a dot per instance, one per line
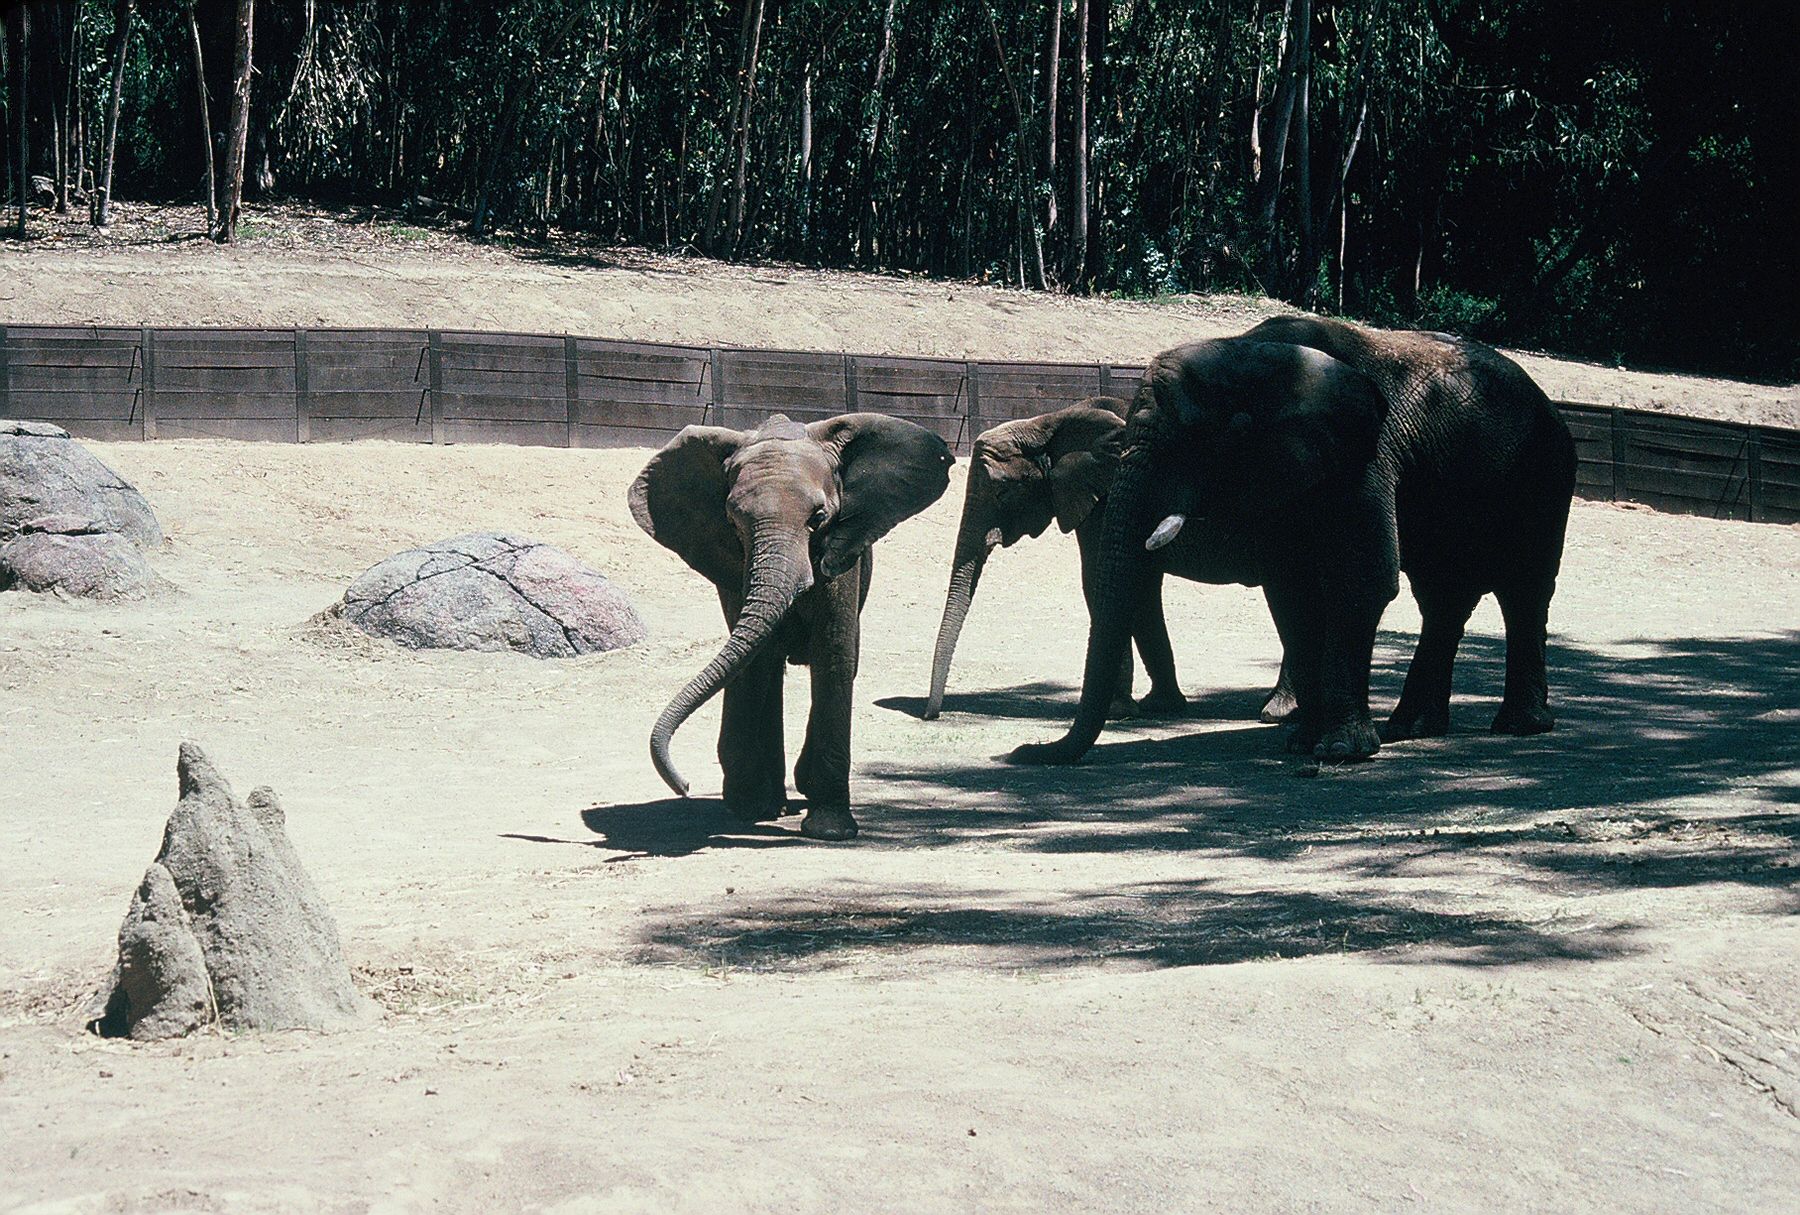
(1754, 446)
(571, 386)
(302, 390)
(1618, 450)
(147, 343)
(715, 403)
(850, 374)
(434, 345)
(972, 378)
(1106, 379)
(5, 377)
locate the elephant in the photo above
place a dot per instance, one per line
(1321, 459)
(1058, 465)
(781, 520)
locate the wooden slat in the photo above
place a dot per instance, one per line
(402, 429)
(487, 430)
(224, 405)
(261, 430)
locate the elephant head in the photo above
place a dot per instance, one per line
(765, 514)
(1247, 435)
(1024, 474)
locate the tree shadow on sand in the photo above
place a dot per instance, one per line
(1675, 764)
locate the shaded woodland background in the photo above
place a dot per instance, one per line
(1615, 180)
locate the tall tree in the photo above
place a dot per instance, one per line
(204, 109)
(18, 54)
(123, 12)
(238, 136)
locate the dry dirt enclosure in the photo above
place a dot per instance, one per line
(1478, 974)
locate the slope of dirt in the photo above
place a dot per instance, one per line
(1477, 974)
(307, 267)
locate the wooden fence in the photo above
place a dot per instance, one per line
(457, 386)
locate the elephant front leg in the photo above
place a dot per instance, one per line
(1281, 703)
(1122, 705)
(1346, 732)
(751, 747)
(1151, 632)
(823, 772)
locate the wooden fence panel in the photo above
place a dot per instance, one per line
(932, 392)
(366, 384)
(1023, 390)
(224, 384)
(88, 380)
(1778, 476)
(628, 394)
(1684, 465)
(749, 385)
(1591, 427)
(503, 388)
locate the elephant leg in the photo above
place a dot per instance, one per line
(823, 772)
(751, 747)
(1346, 650)
(1525, 708)
(1151, 633)
(1280, 704)
(1297, 623)
(1423, 710)
(1087, 539)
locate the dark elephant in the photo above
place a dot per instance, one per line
(1060, 466)
(1319, 459)
(781, 520)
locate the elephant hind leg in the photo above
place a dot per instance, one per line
(1424, 707)
(1151, 632)
(1525, 708)
(823, 772)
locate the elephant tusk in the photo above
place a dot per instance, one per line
(1165, 531)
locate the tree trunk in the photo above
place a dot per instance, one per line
(740, 171)
(18, 39)
(1078, 231)
(1030, 240)
(865, 235)
(1274, 137)
(101, 213)
(1052, 72)
(806, 164)
(1305, 287)
(237, 141)
(206, 130)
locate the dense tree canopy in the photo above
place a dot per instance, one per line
(1609, 179)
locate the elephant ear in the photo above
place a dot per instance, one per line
(679, 499)
(888, 470)
(1325, 427)
(1083, 454)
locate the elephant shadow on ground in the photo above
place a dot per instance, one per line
(670, 827)
(1675, 765)
(1055, 702)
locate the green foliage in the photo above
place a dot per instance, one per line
(1538, 172)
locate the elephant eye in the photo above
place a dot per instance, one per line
(819, 516)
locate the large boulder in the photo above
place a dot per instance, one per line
(226, 928)
(44, 474)
(90, 565)
(492, 591)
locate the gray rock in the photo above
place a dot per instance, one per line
(492, 591)
(226, 927)
(102, 565)
(46, 474)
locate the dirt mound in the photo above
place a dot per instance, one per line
(226, 927)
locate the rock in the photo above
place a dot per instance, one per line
(226, 927)
(46, 474)
(491, 591)
(103, 565)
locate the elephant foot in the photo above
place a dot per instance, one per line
(1122, 708)
(1432, 723)
(1512, 719)
(1280, 706)
(1163, 702)
(1302, 735)
(757, 812)
(1349, 742)
(1046, 754)
(828, 823)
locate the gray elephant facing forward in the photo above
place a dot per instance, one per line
(781, 520)
(1059, 466)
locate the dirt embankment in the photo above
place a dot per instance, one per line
(307, 267)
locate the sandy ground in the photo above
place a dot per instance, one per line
(1478, 974)
(307, 267)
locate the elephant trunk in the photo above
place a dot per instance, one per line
(975, 539)
(1121, 582)
(779, 572)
